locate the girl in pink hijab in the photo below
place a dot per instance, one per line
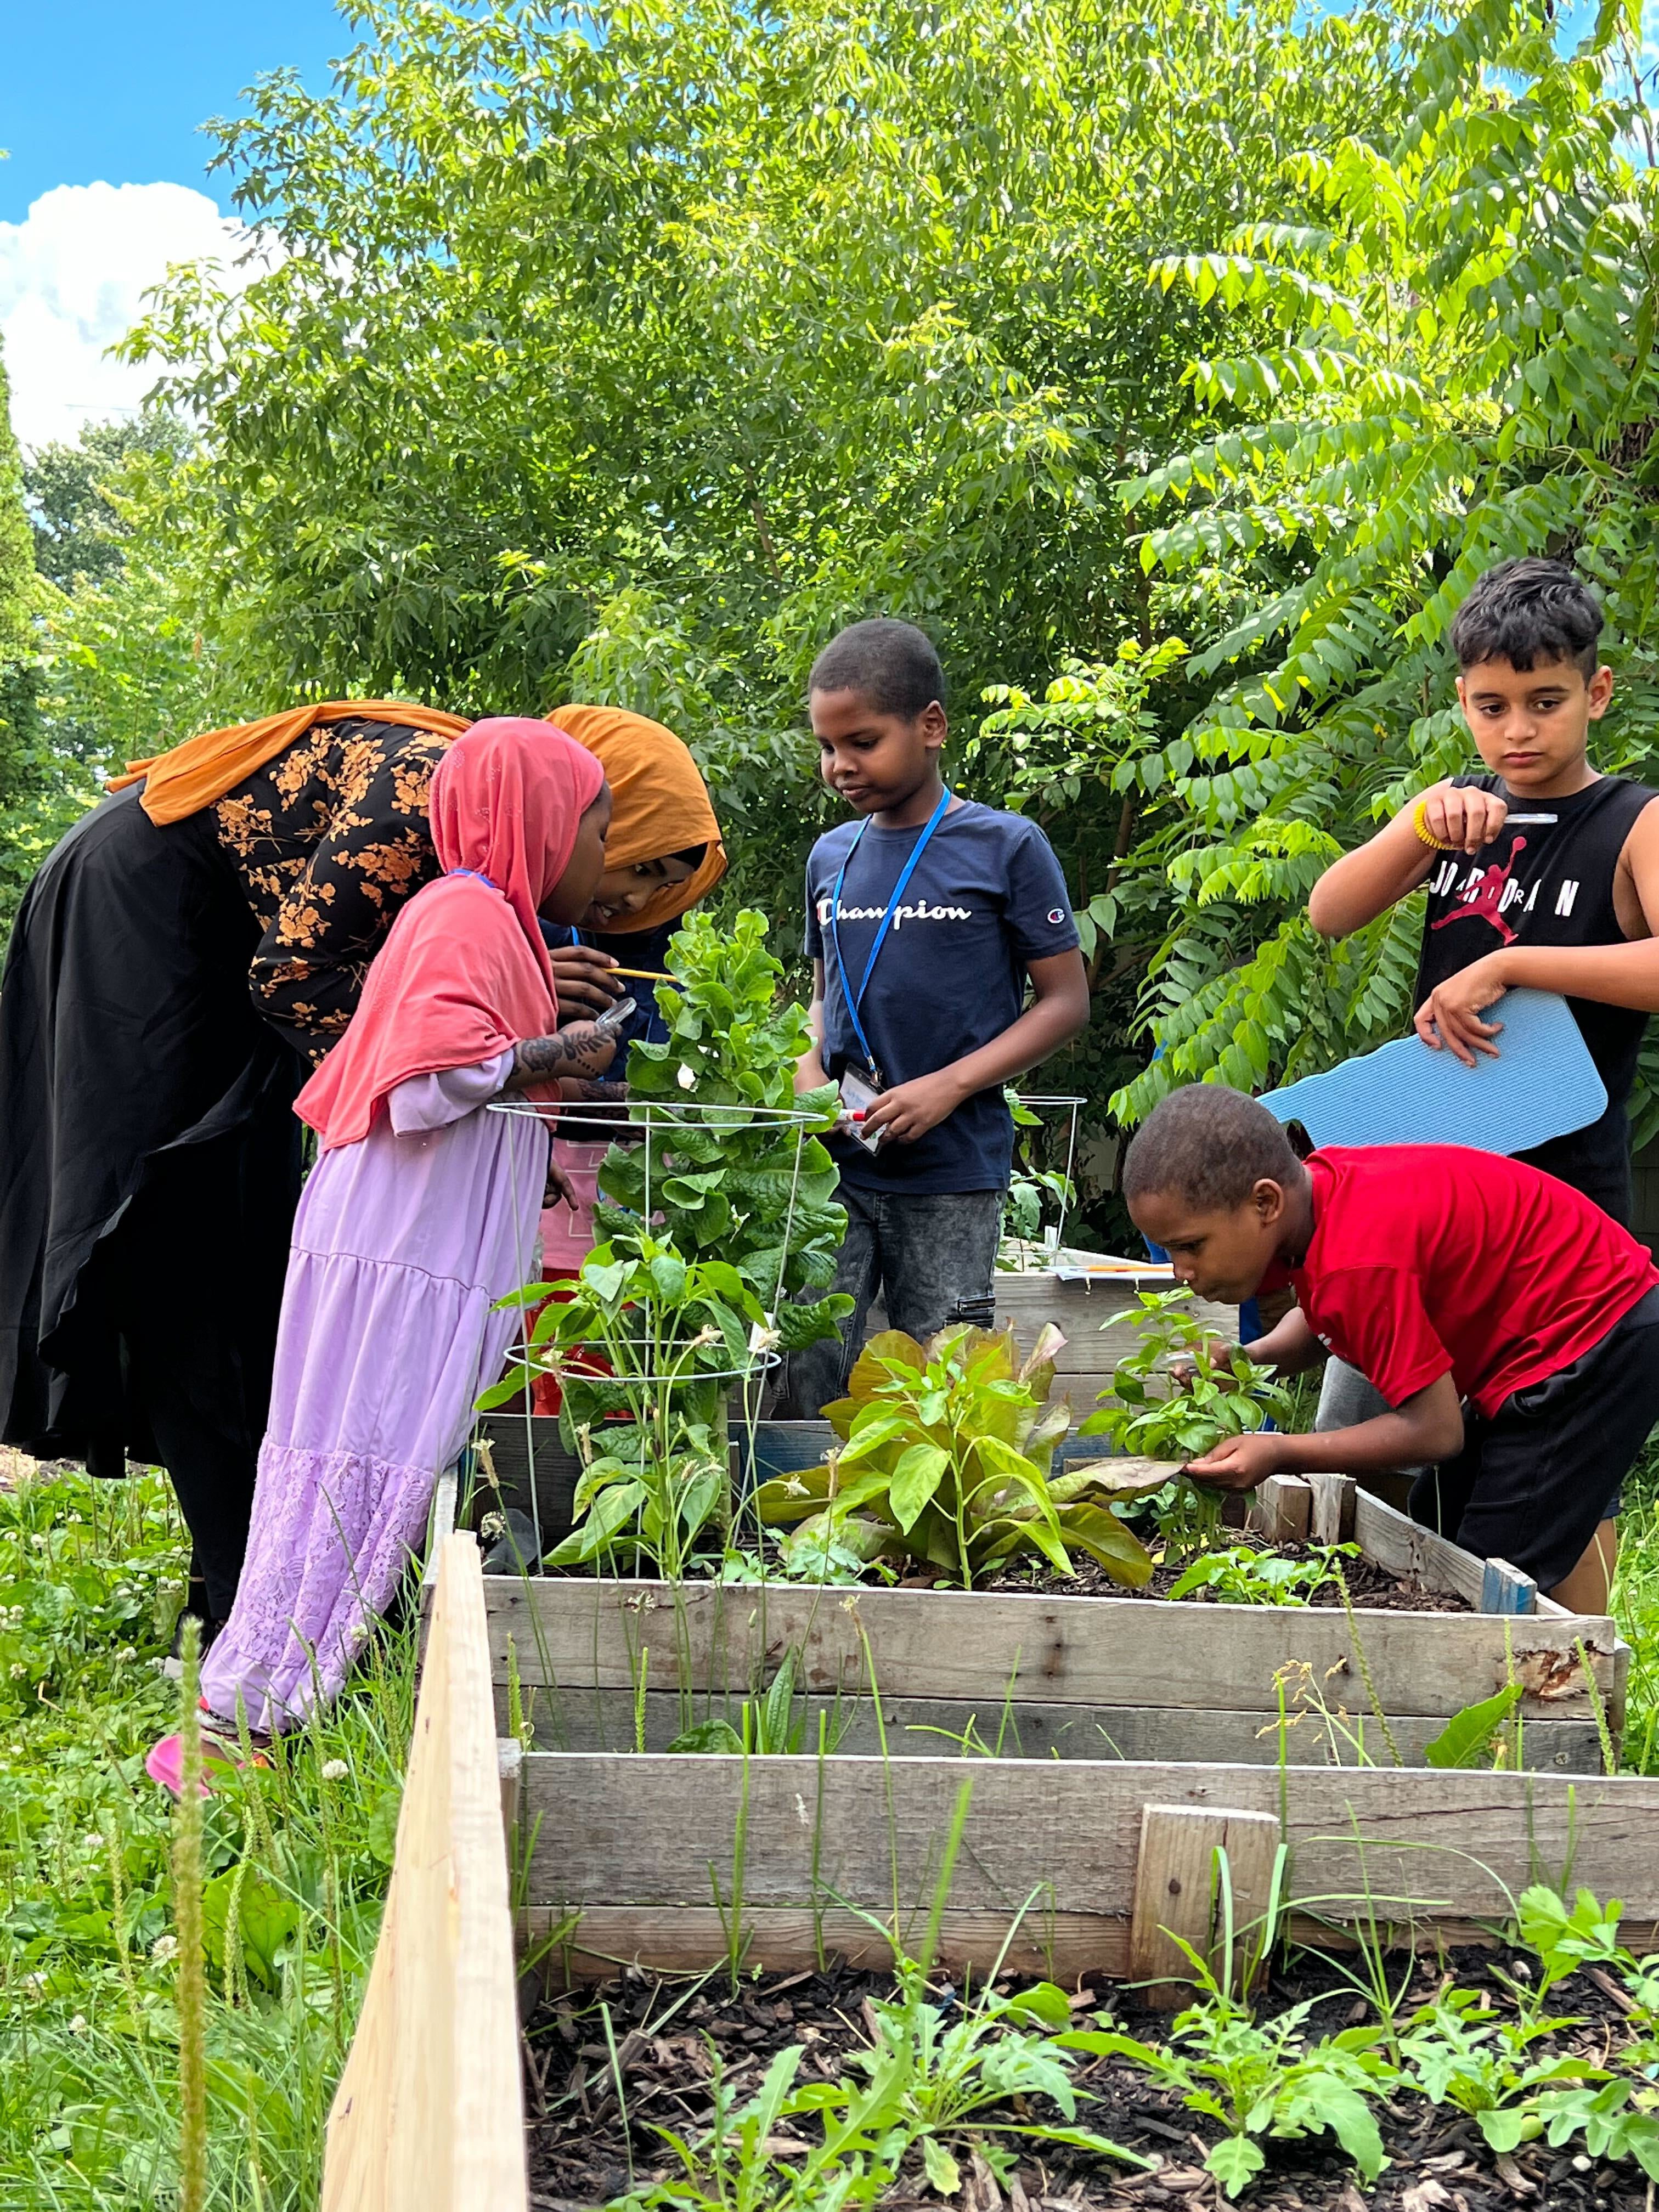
(422, 1212)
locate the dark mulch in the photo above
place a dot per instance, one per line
(1371, 1587)
(664, 2033)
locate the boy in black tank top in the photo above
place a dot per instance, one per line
(1540, 873)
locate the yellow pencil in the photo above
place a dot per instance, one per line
(642, 975)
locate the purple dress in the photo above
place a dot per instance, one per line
(401, 1244)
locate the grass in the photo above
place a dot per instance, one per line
(294, 1861)
(1636, 1607)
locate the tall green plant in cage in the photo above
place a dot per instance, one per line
(751, 1186)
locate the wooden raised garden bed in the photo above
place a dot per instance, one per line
(1077, 1677)
(632, 1859)
(428, 2115)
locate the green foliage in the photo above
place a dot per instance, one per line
(1468, 1737)
(947, 1458)
(670, 1336)
(1244, 1577)
(1458, 366)
(293, 1860)
(1150, 1412)
(16, 543)
(753, 1185)
(79, 528)
(767, 1724)
(936, 2073)
(1260, 2078)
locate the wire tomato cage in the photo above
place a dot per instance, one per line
(1072, 1105)
(651, 1125)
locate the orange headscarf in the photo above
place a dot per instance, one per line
(204, 768)
(659, 806)
(464, 972)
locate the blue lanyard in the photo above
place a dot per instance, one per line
(479, 876)
(854, 1002)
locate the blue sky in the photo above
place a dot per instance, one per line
(101, 104)
(114, 91)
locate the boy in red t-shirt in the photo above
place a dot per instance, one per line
(1512, 1327)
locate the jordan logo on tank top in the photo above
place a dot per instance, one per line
(1547, 878)
(1485, 893)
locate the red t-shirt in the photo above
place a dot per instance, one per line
(1430, 1259)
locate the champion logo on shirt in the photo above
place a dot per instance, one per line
(919, 912)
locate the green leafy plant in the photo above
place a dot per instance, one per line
(752, 1185)
(1170, 1401)
(767, 1725)
(1162, 1414)
(1471, 1735)
(645, 1347)
(938, 2071)
(1244, 1576)
(1262, 2079)
(946, 1458)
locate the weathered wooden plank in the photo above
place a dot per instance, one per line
(922, 1728)
(428, 2115)
(1422, 1555)
(1178, 1896)
(1067, 1947)
(1281, 1509)
(633, 1830)
(979, 1647)
(1332, 1520)
(1504, 1588)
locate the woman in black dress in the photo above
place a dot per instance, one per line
(182, 960)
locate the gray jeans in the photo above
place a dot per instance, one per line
(1345, 1398)
(925, 1251)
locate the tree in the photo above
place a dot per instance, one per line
(629, 351)
(1462, 368)
(78, 532)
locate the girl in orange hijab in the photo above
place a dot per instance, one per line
(420, 1213)
(181, 962)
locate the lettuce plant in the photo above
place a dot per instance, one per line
(946, 1458)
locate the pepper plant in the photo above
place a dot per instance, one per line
(749, 1185)
(946, 1458)
(644, 1347)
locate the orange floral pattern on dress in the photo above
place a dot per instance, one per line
(329, 839)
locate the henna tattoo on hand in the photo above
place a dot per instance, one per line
(575, 1051)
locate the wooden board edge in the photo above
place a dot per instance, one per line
(1069, 1948)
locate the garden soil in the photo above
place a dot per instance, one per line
(1372, 1589)
(665, 2033)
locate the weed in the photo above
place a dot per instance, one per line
(1244, 1576)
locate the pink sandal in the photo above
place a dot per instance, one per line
(164, 1762)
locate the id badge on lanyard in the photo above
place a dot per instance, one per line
(855, 1000)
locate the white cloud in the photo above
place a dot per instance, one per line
(72, 279)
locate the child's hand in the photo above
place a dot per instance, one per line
(1462, 818)
(910, 1110)
(1240, 1462)
(582, 977)
(1217, 1353)
(1450, 1015)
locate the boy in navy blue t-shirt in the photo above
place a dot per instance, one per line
(925, 918)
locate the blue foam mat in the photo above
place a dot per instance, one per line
(1542, 1084)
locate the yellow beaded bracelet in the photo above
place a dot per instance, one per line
(1419, 823)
